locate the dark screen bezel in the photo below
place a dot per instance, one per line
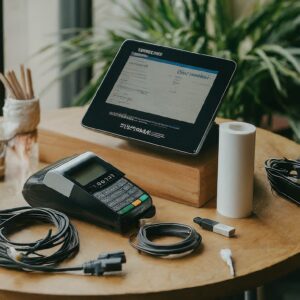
(190, 137)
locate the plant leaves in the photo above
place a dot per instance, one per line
(284, 53)
(271, 69)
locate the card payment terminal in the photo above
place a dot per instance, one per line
(88, 188)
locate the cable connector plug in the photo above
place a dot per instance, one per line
(215, 226)
(106, 262)
(116, 254)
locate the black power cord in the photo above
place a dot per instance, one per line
(191, 239)
(27, 256)
(284, 177)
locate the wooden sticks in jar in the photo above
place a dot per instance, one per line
(18, 89)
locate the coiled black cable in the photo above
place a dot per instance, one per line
(284, 177)
(143, 242)
(27, 256)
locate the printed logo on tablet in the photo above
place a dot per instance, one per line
(150, 52)
(129, 127)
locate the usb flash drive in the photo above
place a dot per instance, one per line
(214, 226)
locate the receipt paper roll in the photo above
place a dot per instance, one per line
(236, 169)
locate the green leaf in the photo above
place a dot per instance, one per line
(284, 53)
(271, 69)
(286, 71)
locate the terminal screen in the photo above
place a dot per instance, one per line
(162, 87)
(87, 173)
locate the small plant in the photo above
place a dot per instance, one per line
(265, 45)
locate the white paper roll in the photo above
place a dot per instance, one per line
(236, 169)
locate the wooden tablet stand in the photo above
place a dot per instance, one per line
(186, 179)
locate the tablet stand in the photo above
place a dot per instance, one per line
(212, 138)
(182, 178)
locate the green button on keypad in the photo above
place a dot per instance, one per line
(144, 197)
(126, 209)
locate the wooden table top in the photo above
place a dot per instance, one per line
(267, 246)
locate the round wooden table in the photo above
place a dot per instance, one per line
(266, 247)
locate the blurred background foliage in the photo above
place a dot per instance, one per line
(265, 44)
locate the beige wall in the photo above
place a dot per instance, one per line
(32, 24)
(28, 26)
(107, 15)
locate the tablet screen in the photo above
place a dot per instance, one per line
(162, 87)
(161, 96)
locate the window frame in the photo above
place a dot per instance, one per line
(75, 14)
(2, 90)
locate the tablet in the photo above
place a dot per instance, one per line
(161, 96)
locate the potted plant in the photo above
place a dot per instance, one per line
(265, 45)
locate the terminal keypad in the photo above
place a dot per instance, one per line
(121, 196)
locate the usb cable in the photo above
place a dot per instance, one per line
(284, 177)
(29, 256)
(143, 241)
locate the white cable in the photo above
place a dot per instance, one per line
(226, 255)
